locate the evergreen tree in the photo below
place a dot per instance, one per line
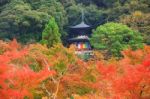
(50, 34)
(115, 37)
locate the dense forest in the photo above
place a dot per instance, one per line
(36, 63)
(26, 19)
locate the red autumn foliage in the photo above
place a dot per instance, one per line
(129, 77)
(17, 82)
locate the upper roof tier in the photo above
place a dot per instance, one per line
(81, 25)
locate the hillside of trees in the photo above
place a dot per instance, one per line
(26, 19)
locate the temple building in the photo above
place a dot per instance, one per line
(79, 36)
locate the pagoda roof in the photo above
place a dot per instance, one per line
(82, 37)
(81, 25)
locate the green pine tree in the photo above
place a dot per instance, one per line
(51, 34)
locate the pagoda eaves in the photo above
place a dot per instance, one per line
(81, 25)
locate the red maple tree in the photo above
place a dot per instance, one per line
(128, 77)
(17, 82)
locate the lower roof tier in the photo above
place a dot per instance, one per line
(81, 37)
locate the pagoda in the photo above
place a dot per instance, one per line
(79, 36)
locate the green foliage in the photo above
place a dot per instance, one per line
(67, 3)
(61, 58)
(89, 77)
(82, 90)
(51, 8)
(35, 66)
(60, 67)
(18, 19)
(50, 34)
(115, 37)
(3, 2)
(92, 14)
(26, 18)
(138, 21)
(73, 12)
(85, 56)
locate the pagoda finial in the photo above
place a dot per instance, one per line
(82, 15)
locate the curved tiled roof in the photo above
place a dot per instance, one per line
(81, 25)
